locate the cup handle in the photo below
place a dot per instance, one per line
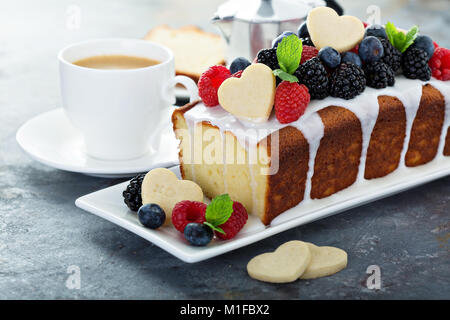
(187, 82)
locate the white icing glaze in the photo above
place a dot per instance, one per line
(364, 106)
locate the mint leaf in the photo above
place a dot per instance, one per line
(391, 31)
(410, 37)
(289, 53)
(398, 39)
(214, 227)
(219, 211)
(284, 75)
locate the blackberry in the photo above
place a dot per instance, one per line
(347, 81)
(269, 58)
(132, 194)
(314, 76)
(307, 42)
(379, 75)
(392, 57)
(415, 64)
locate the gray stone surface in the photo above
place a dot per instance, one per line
(42, 232)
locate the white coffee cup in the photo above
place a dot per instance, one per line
(118, 110)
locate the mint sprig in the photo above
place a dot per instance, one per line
(400, 40)
(218, 212)
(289, 53)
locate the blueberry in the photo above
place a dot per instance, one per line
(426, 44)
(302, 31)
(370, 49)
(278, 39)
(351, 57)
(239, 64)
(151, 215)
(198, 234)
(329, 57)
(375, 30)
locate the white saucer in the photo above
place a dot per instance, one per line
(51, 139)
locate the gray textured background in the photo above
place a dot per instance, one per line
(42, 232)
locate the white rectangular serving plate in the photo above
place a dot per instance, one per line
(108, 204)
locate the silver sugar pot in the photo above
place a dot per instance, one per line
(250, 25)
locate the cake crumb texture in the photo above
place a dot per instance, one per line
(386, 141)
(338, 156)
(426, 129)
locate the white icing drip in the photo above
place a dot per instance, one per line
(313, 130)
(444, 88)
(365, 107)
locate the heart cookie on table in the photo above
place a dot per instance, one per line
(327, 29)
(251, 96)
(325, 261)
(286, 264)
(161, 186)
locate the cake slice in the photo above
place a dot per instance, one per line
(194, 49)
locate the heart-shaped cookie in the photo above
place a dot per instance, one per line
(161, 186)
(327, 29)
(285, 264)
(251, 96)
(325, 261)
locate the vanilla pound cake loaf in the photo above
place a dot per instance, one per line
(327, 150)
(299, 123)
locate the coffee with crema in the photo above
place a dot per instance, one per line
(115, 62)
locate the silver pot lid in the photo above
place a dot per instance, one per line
(260, 11)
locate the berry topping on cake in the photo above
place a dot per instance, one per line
(209, 83)
(375, 30)
(237, 74)
(370, 49)
(347, 81)
(186, 212)
(425, 43)
(308, 52)
(291, 100)
(269, 58)
(132, 194)
(440, 64)
(307, 42)
(198, 234)
(280, 38)
(239, 64)
(151, 215)
(351, 57)
(392, 57)
(379, 75)
(234, 224)
(314, 76)
(329, 57)
(415, 64)
(302, 31)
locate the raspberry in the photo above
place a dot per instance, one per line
(237, 74)
(235, 223)
(308, 52)
(186, 212)
(291, 100)
(209, 83)
(440, 64)
(355, 49)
